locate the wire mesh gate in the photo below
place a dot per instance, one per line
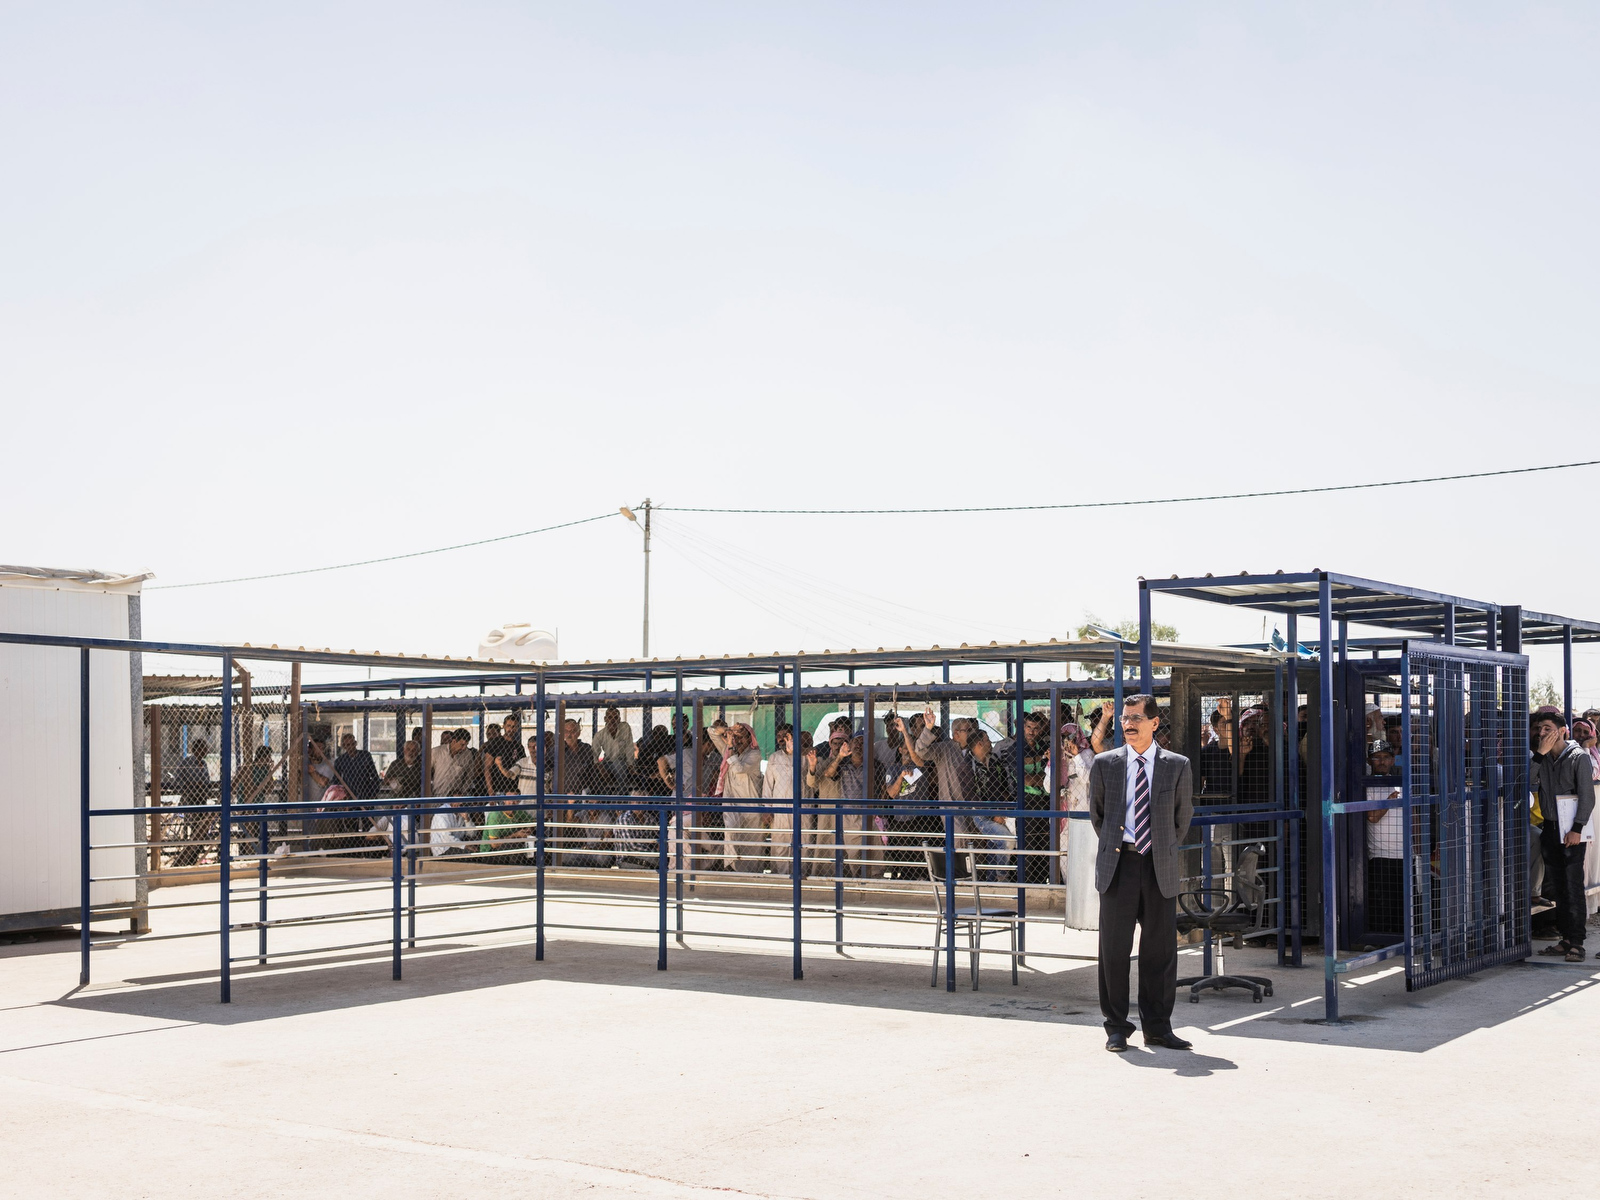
(1466, 829)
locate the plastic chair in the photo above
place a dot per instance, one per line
(1227, 918)
(977, 918)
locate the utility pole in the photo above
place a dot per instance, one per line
(629, 513)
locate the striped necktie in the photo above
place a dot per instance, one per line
(1141, 807)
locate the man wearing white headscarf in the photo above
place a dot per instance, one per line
(744, 833)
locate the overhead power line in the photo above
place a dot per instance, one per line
(367, 562)
(865, 512)
(994, 508)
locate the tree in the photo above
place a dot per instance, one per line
(1130, 631)
(1544, 692)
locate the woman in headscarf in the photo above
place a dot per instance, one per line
(637, 827)
(1077, 836)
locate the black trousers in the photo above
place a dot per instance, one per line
(1134, 898)
(1563, 873)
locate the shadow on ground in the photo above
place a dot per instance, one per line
(1382, 1015)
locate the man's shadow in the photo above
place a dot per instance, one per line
(1183, 1063)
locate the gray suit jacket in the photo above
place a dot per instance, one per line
(1171, 809)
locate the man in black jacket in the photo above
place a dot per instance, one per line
(355, 769)
(1562, 771)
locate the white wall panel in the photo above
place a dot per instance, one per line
(39, 748)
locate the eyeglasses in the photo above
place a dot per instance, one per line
(1127, 720)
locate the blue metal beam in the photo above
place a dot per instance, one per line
(1147, 677)
(1086, 688)
(1566, 672)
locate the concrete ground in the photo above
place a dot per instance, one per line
(593, 1074)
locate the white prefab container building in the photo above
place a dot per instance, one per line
(40, 741)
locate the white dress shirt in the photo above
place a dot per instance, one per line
(1386, 837)
(1149, 757)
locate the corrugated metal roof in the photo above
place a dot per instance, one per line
(46, 575)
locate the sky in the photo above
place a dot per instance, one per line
(295, 285)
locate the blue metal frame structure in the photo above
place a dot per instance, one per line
(1447, 620)
(409, 814)
(1438, 632)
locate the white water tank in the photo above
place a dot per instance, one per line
(519, 643)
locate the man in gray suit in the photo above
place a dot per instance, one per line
(1141, 799)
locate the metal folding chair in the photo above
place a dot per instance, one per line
(977, 919)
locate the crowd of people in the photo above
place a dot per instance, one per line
(1563, 861)
(1566, 862)
(748, 825)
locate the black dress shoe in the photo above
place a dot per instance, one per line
(1170, 1041)
(1117, 1043)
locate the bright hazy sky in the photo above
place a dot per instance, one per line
(289, 285)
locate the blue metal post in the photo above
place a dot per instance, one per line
(869, 788)
(262, 846)
(413, 835)
(1325, 753)
(1292, 773)
(1116, 695)
(1205, 883)
(538, 833)
(1426, 715)
(1511, 628)
(225, 827)
(83, 818)
(1278, 793)
(396, 823)
(1407, 884)
(1566, 672)
(1054, 784)
(695, 791)
(662, 836)
(838, 835)
(303, 750)
(950, 898)
(1019, 739)
(796, 835)
(680, 818)
(1147, 680)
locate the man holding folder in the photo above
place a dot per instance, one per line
(1563, 782)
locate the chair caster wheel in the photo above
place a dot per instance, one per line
(1269, 991)
(1256, 998)
(1193, 999)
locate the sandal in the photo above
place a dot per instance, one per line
(1560, 948)
(1574, 954)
